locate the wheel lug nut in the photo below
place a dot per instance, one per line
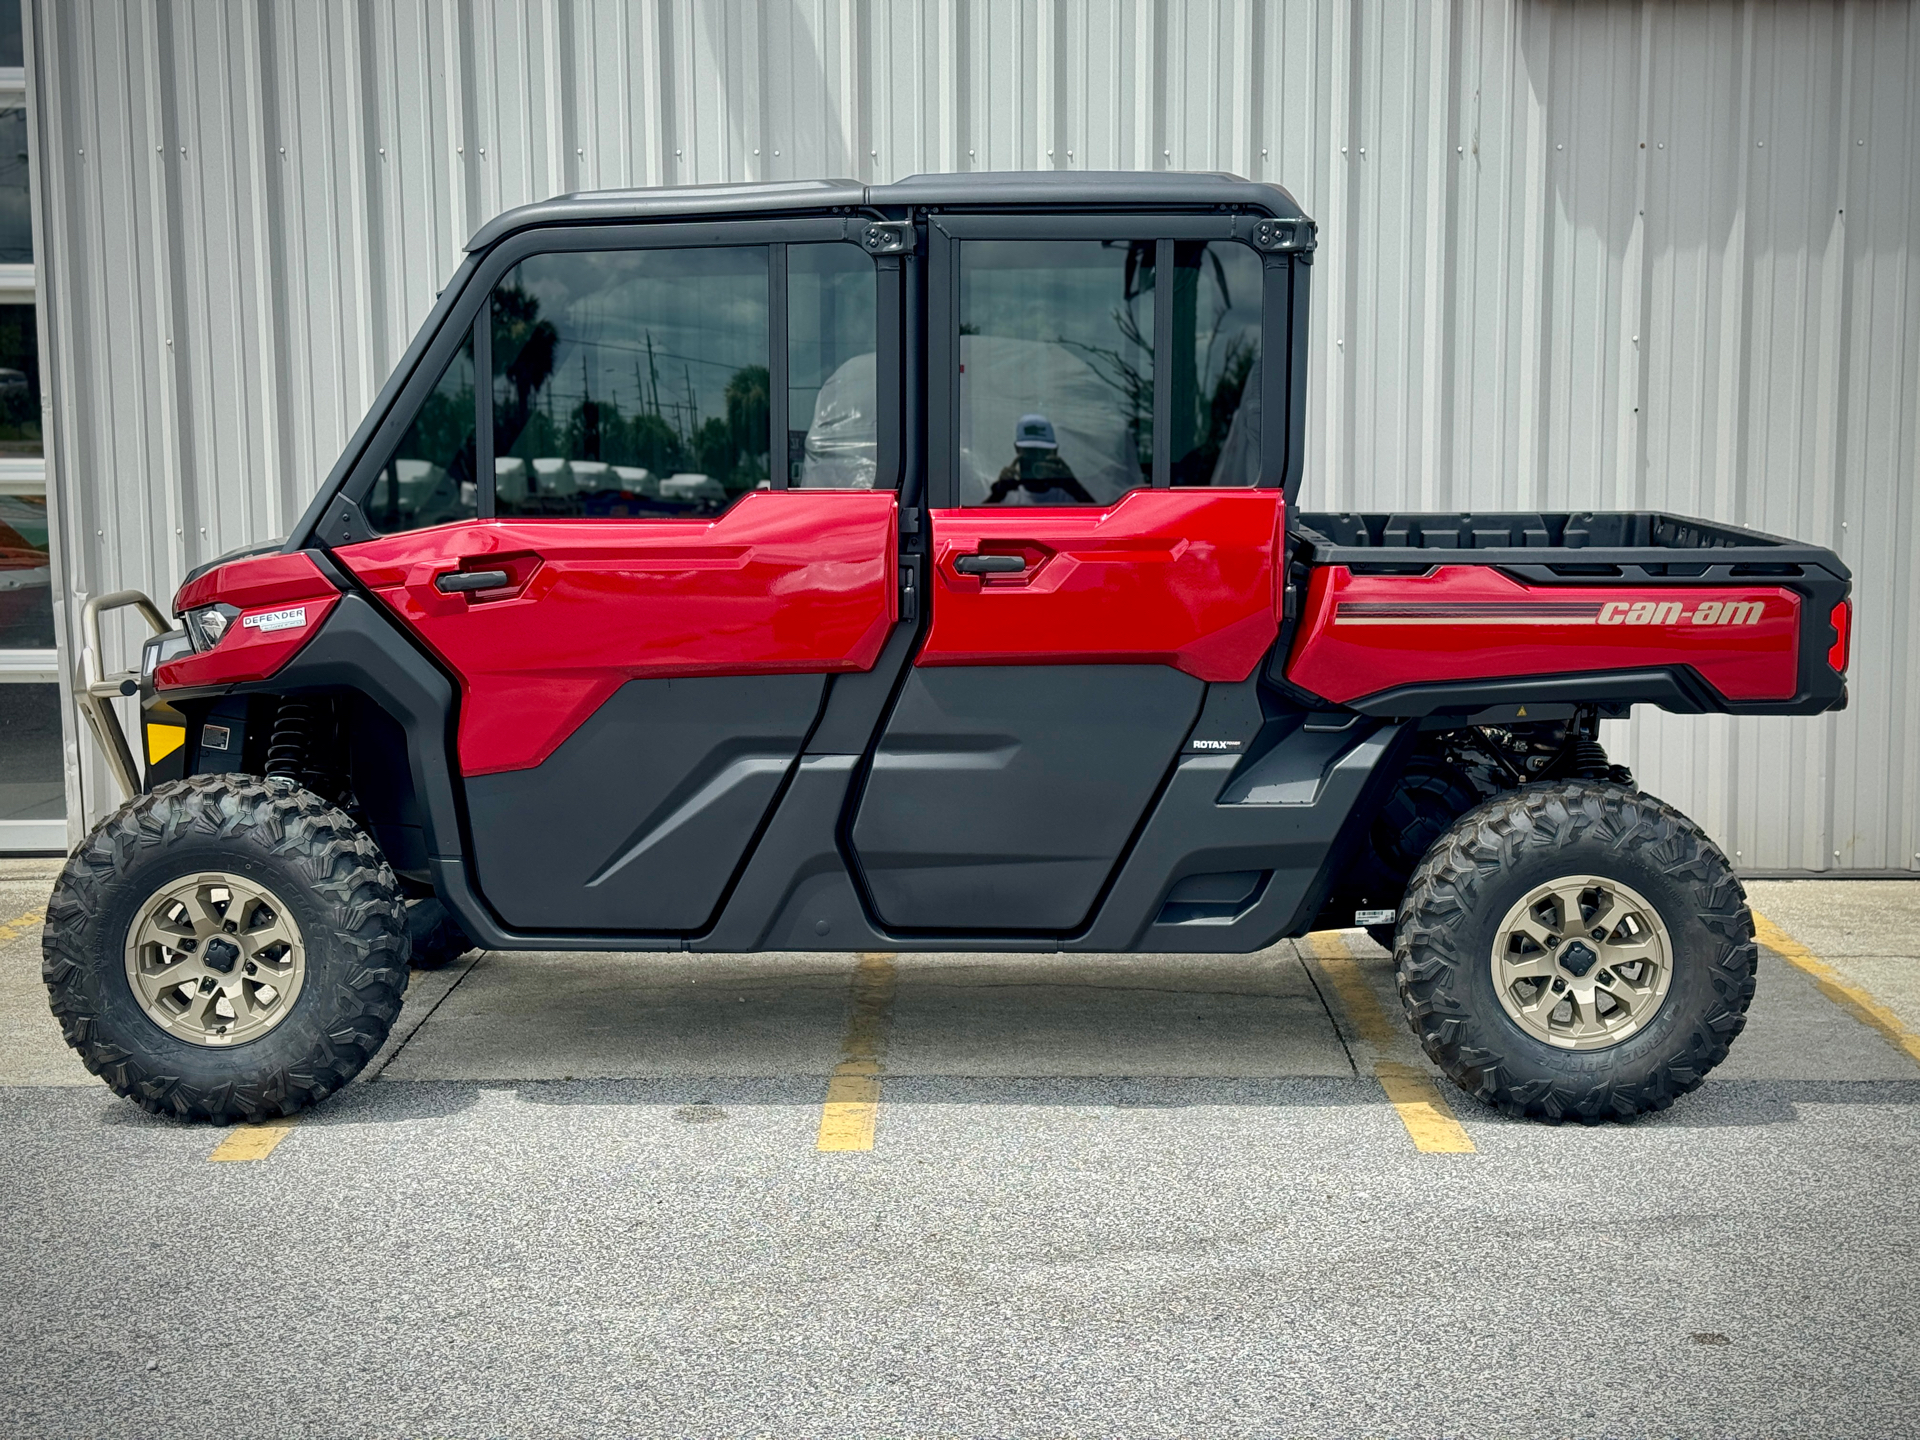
(1605, 977)
(187, 947)
(252, 969)
(206, 984)
(231, 927)
(1599, 934)
(1558, 985)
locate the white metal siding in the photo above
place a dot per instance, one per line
(1572, 256)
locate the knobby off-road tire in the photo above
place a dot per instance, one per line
(325, 886)
(436, 937)
(1460, 908)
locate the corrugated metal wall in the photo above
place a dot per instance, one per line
(1572, 256)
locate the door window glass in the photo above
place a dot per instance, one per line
(1056, 371)
(26, 579)
(31, 787)
(429, 478)
(630, 382)
(19, 380)
(832, 394)
(16, 223)
(1213, 364)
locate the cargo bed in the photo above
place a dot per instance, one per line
(1456, 614)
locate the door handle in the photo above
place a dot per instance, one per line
(990, 564)
(456, 582)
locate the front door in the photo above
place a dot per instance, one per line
(1106, 548)
(677, 536)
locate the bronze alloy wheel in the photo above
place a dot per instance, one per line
(1582, 962)
(215, 959)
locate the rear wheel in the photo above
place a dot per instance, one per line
(226, 948)
(1576, 951)
(435, 937)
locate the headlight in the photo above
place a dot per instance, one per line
(162, 648)
(206, 625)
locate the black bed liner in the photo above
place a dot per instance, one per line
(1637, 543)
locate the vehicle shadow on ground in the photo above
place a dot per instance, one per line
(1722, 1105)
(1717, 1105)
(1141, 1032)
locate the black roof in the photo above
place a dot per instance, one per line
(1105, 189)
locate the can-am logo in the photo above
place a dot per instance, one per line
(1672, 612)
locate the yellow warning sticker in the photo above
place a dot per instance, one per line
(163, 740)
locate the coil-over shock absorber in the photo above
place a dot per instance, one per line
(291, 747)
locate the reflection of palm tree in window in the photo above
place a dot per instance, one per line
(558, 394)
(524, 350)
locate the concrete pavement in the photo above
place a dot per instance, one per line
(1123, 1196)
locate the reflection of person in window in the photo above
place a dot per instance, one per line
(1037, 476)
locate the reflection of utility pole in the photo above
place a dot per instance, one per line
(654, 371)
(589, 414)
(693, 405)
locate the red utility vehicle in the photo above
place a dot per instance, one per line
(832, 567)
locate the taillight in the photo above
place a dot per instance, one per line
(1842, 622)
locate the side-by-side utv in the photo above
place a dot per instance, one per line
(913, 567)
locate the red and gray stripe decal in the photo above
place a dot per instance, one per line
(1497, 612)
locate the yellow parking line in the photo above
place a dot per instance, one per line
(1430, 1121)
(1356, 996)
(252, 1142)
(1422, 1109)
(10, 930)
(852, 1106)
(1865, 1009)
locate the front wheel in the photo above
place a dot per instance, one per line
(1576, 951)
(226, 948)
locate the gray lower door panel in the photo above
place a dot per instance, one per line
(1001, 797)
(639, 819)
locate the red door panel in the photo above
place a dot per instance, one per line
(784, 582)
(1161, 577)
(1362, 634)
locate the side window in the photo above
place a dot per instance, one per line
(1213, 364)
(630, 382)
(832, 437)
(429, 478)
(1056, 371)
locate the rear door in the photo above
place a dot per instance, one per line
(667, 532)
(1105, 523)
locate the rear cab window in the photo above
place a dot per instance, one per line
(1085, 368)
(1056, 371)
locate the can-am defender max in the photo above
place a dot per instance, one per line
(838, 567)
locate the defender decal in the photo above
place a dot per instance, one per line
(270, 620)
